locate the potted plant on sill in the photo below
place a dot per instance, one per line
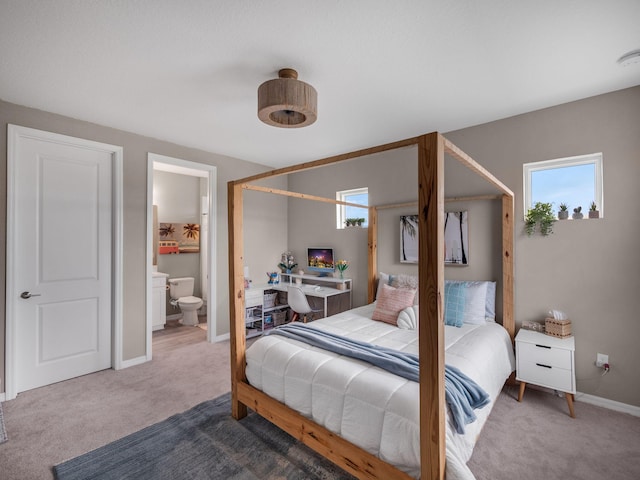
(593, 211)
(542, 215)
(353, 222)
(577, 213)
(563, 213)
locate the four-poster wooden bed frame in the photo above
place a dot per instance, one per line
(431, 151)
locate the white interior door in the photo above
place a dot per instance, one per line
(61, 290)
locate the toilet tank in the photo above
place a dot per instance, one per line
(181, 287)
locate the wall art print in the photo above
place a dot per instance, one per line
(178, 238)
(456, 238)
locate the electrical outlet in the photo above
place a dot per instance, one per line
(601, 359)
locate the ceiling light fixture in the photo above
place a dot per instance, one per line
(629, 58)
(287, 102)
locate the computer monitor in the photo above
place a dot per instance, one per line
(321, 260)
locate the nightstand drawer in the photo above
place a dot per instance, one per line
(545, 375)
(554, 357)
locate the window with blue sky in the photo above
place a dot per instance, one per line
(575, 181)
(359, 196)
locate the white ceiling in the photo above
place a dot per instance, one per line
(187, 71)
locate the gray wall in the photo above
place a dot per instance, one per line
(588, 268)
(392, 179)
(136, 148)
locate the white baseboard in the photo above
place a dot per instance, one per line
(2, 397)
(606, 403)
(175, 316)
(133, 362)
(221, 338)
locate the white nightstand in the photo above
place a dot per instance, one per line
(546, 361)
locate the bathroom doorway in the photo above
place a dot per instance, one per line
(205, 179)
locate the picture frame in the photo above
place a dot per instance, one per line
(408, 238)
(456, 238)
(174, 238)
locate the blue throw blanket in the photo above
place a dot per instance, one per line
(462, 394)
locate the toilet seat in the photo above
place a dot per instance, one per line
(190, 300)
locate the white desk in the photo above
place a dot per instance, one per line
(315, 291)
(316, 279)
(315, 286)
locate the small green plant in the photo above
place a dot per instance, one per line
(540, 215)
(593, 207)
(563, 207)
(352, 222)
(577, 210)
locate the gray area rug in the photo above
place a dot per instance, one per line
(3, 430)
(203, 443)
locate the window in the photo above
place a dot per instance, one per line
(359, 196)
(575, 181)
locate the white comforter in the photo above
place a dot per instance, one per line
(370, 407)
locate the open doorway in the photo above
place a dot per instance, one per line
(206, 177)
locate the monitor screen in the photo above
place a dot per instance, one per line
(320, 260)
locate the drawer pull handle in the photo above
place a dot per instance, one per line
(541, 365)
(543, 346)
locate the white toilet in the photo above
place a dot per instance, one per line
(181, 293)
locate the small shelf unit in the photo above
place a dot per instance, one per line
(260, 314)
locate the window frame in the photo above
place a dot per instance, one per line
(594, 159)
(341, 210)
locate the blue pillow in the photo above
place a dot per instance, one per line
(454, 302)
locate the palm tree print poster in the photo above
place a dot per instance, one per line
(408, 239)
(178, 238)
(456, 238)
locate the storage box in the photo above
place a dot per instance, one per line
(269, 299)
(279, 318)
(557, 328)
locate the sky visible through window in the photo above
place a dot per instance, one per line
(573, 185)
(355, 212)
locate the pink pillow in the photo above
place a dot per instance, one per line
(391, 301)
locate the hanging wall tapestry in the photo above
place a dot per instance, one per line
(456, 238)
(178, 238)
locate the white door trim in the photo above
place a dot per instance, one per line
(201, 170)
(14, 133)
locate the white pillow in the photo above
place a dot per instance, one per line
(408, 318)
(475, 298)
(383, 279)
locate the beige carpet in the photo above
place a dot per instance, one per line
(537, 439)
(3, 430)
(49, 425)
(532, 440)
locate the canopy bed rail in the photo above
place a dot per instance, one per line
(431, 149)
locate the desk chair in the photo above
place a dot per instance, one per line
(297, 300)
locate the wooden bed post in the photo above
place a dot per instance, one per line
(373, 253)
(508, 320)
(237, 330)
(431, 293)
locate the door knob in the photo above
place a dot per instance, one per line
(26, 295)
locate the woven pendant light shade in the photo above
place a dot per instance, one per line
(287, 102)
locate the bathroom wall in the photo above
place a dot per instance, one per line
(178, 200)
